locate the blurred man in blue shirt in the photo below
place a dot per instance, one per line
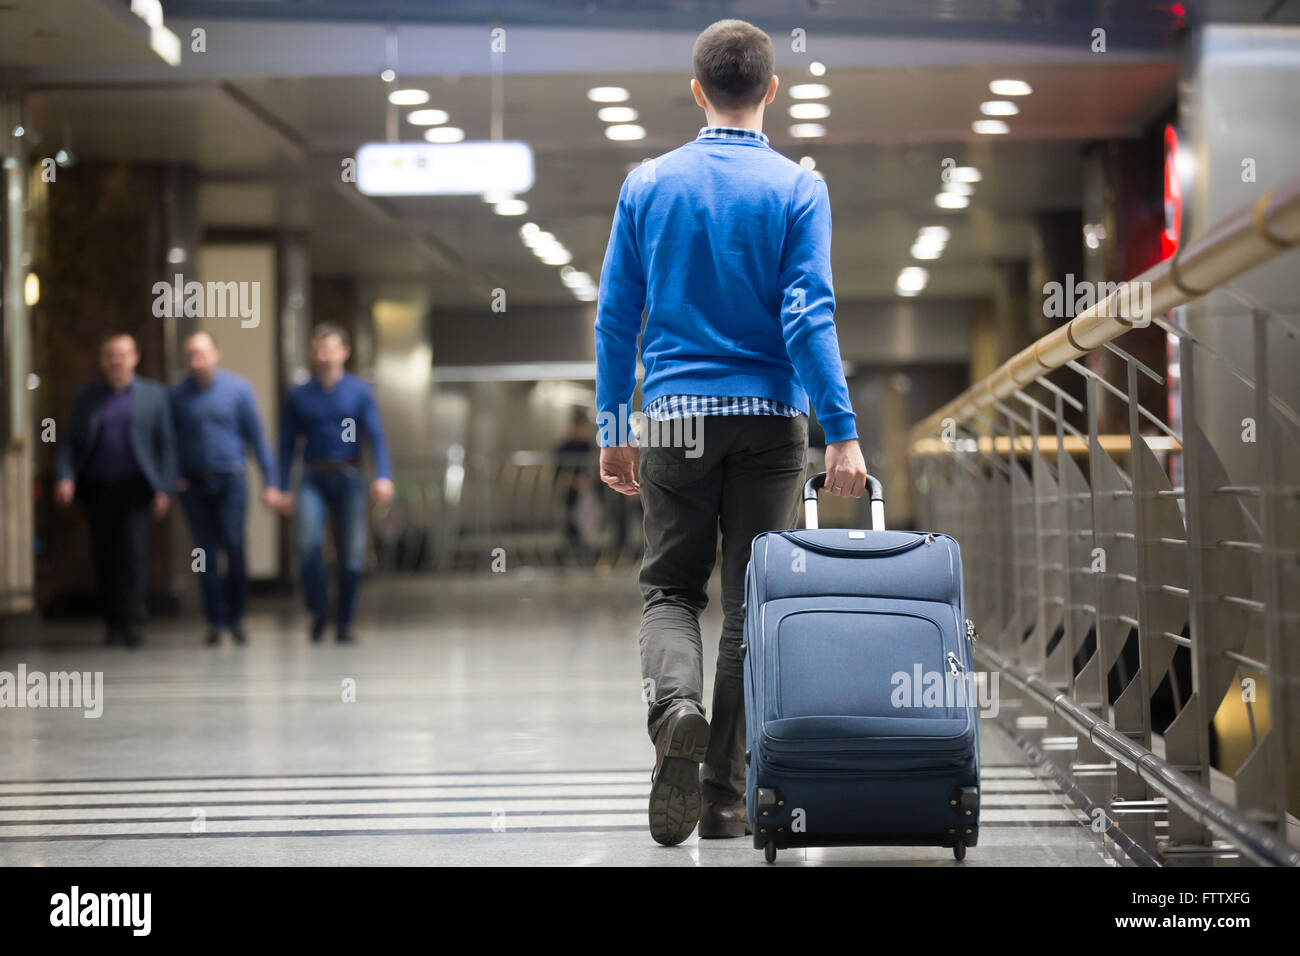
(332, 412)
(216, 419)
(725, 245)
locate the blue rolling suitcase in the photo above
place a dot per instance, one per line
(860, 709)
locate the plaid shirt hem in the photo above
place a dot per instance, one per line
(667, 407)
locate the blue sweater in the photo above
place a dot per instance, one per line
(726, 246)
(214, 424)
(333, 422)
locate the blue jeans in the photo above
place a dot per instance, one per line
(340, 495)
(214, 506)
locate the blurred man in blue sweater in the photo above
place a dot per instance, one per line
(216, 419)
(333, 411)
(725, 245)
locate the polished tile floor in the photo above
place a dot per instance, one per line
(489, 719)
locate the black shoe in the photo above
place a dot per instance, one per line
(345, 637)
(214, 637)
(318, 630)
(238, 633)
(680, 746)
(719, 820)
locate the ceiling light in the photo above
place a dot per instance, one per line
(807, 162)
(961, 189)
(625, 131)
(807, 130)
(817, 68)
(607, 94)
(616, 114)
(497, 195)
(558, 258)
(912, 279)
(528, 230)
(999, 108)
(444, 134)
(921, 251)
(935, 233)
(1010, 88)
(586, 295)
(537, 238)
(575, 279)
(964, 174)
(810, 91)
(427, 117)
(808, 111)
(951, 201)
(990, 127)
(408, 97)
(511, 207)
(388, 76)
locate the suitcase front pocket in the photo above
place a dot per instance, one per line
(860, 663)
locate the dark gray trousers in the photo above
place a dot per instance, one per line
(747, 480)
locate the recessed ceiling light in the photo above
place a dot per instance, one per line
(427, 117)
(528, 230)
(807, 130)
(575, 279)
(388, 76)
(607, 94)
(935, 233)
(558, 257)
(807, 162)
(809, 111)
(923, 251)
(817, 68)
(961, 189)
(810, 91)
(625, 131)
(912, 278)
(586, 295)
(964, 174)
(511, 207)
(616, 114)
(408, 97)
(990, 127)
(999, 108)
(444, 134)
(951, 201)
(1010, 88)
(497, 195)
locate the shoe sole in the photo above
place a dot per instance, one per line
(675, 793)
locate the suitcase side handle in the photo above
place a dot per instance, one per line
(818, 480)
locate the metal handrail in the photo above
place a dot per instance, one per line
(1235, 245)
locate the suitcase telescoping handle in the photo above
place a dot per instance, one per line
(818, 480)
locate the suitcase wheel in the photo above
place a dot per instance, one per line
(769, 851)
(958, 850)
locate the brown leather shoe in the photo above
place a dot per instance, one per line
(680, 746)
(718, 820)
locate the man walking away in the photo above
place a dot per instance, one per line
(216, 418)
(333, 411)
(118, 458)
(726, 244)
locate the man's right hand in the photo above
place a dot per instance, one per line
(286, 502)
(618, 468)
(64, 492)
(846, 470)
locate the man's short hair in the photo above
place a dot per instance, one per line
(197, 332)
(325, 329)
(110, 336)
(734, 63)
